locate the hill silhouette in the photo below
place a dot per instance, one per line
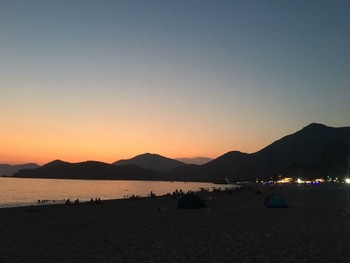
(152, 162)
(195, 160)
(315, 151)
(8, 170)
(313, 146)
(88, 170)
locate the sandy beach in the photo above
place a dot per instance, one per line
(235, 228)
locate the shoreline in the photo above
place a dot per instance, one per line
(28, 191)
(45, 203)
(236, 227)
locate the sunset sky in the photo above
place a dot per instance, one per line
(105, 80)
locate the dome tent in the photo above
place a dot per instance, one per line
(190, 201)
(275, 201)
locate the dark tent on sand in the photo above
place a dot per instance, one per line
(273, 201)
(190, 201)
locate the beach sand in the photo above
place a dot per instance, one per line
(235, 228)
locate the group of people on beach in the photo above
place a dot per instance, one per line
(46, 201)
(151, 194)
(92, 201)
(68, 201)
(98, 200)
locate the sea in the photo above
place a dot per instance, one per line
(27, 191)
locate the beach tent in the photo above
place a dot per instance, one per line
(275, 201)
(190, 201)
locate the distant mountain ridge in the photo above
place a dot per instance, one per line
(151, 161)
(88, 170)
(195, 160)
(315, 151)
(8, 170)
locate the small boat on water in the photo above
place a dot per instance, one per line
(221, 181)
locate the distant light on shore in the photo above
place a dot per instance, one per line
(347, 180)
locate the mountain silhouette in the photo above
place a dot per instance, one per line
(152, 162)
(88, 170)
(195, 160)
(305, 148)
(8, 170)
(315, 151)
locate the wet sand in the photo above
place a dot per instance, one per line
(235, 228)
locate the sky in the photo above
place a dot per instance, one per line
(106, 80)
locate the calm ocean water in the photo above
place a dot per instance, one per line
(21, 192)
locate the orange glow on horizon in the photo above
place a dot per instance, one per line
(41, 150)
(78, 139)
(43, 155)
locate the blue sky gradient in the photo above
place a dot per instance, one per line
(112, 79)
